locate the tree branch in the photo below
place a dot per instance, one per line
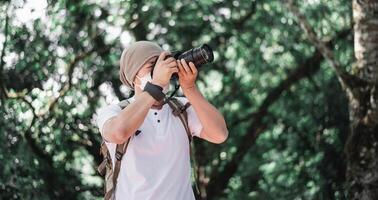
(67, 86)
(240, 23)
(219, 180)
(28, 135)
(2, 62)
(347, 81)
(22, 96)
(275, 93)
(34, 147)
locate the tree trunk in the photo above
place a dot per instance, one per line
(362, 144)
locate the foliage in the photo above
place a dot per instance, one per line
(285, 111)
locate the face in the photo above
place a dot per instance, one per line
(145, 69)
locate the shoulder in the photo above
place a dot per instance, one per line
(105, 113)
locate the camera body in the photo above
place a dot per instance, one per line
(198, 56)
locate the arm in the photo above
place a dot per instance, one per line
(213, 123)
(119, 128)
(214, 126)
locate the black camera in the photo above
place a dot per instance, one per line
(198, 56)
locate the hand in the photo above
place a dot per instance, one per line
(187, 74)
(164, 69)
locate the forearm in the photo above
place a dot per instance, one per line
(130, 118)
(211, 119)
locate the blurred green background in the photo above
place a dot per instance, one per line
(285, 110)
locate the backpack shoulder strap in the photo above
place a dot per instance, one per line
(111, 172)
(120, 148)
(120, 151)
(179, 110)
(104, 152)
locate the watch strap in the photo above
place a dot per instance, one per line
(155, 91)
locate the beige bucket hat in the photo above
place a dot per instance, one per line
(134, 57)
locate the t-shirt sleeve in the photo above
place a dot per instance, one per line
(194, 123)
(105, 113)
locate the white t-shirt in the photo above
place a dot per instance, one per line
(156, 165)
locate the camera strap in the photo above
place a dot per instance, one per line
(177, 86)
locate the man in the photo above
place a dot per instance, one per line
(156, 164)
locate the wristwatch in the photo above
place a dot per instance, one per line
(155, 91)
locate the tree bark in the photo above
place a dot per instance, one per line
(361, 148)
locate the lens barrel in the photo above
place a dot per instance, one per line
(199, 56)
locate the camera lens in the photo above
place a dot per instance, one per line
(207, 53)
(198, 56)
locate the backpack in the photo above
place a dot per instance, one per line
(105, 169)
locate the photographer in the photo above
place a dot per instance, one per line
(156, 164)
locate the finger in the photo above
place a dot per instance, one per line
(169, 60)
(181, 69)
(162, 55)
(180, 73)
(179, 66)
(193, 67)
(186, 67)
(172, 64)
(173, 70)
